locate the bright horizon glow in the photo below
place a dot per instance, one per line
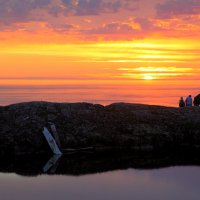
(106, 43)
(108, 54)
(148, 77)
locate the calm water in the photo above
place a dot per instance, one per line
(156, 92)
(167, 184)
(110, 178)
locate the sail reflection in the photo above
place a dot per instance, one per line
(91, 163)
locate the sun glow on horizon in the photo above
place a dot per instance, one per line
(147, 59)
(149, 77)
(152, 73)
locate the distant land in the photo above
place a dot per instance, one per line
(83, 125)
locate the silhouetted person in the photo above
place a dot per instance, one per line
(188, 101)
(197, 100)
(181, 102)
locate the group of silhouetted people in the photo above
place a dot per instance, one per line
(187, 103)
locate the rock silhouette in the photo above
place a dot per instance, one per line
(116, 126)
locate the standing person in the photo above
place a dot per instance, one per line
(188, 101)
(181, 102)
(197, 100)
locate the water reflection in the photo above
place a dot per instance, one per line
(91, 163)
(52, 164)
(110, 176)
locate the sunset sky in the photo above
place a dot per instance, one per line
(143, 45)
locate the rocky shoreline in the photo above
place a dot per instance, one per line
(80, 125)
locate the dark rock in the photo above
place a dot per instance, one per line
(117, 126)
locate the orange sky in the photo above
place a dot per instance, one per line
(103, 41)
(153, 58)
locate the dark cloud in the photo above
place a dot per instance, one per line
(48, 11)
(62, 27)
(96, 7)
(93, 7)
(83, 7)
(112, 28)
(145, 24)
(174, 8)
(19, 10)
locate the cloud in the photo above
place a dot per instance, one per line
(145, 24)
(112, 28)
(55, 13)
(91, 7)
(19, 10)
(22, 10)
(174, 8)
(173, 17)
(62, 27)
(139, 27)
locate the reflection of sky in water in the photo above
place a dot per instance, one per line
(166, 184)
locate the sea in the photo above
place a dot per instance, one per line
(153, 92)
(82, 180)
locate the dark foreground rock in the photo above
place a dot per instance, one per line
(81, 125)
